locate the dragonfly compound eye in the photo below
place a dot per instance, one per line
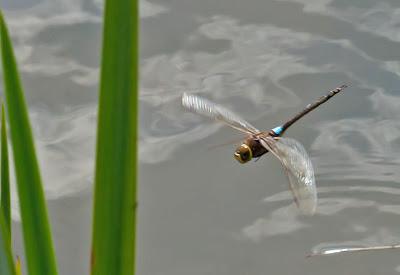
(243, 153)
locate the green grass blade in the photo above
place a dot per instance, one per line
(7, 266)
(5, 174)
(36, 230)
(115, 183)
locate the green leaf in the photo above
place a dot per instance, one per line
(6, 260)
(36, 230)
(5, 174)
(115, 180)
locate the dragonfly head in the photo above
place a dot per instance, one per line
(243, 153)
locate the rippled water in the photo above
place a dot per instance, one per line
(200, 211)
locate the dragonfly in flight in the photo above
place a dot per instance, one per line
(292, 155)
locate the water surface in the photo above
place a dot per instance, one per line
(201, 212)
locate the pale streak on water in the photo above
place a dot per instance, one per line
(200, 211)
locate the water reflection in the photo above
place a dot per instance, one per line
(253, 82)
(365, 148)
(65, 146)
(281, 221)
(380, 18)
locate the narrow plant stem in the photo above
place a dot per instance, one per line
(5, 174)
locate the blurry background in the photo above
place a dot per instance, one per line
(201, 212)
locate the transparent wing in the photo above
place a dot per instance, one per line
(217, 112)
(298, 168)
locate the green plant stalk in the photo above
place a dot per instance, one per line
(5, 174)
(36, 230)
(113, 243)
(7, 266)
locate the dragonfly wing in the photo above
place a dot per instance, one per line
(217, 112)
(299, 170)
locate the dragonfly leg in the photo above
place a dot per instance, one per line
(256, 159)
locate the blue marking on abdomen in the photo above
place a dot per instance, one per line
(278, 130)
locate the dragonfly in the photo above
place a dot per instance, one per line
(291, 153)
